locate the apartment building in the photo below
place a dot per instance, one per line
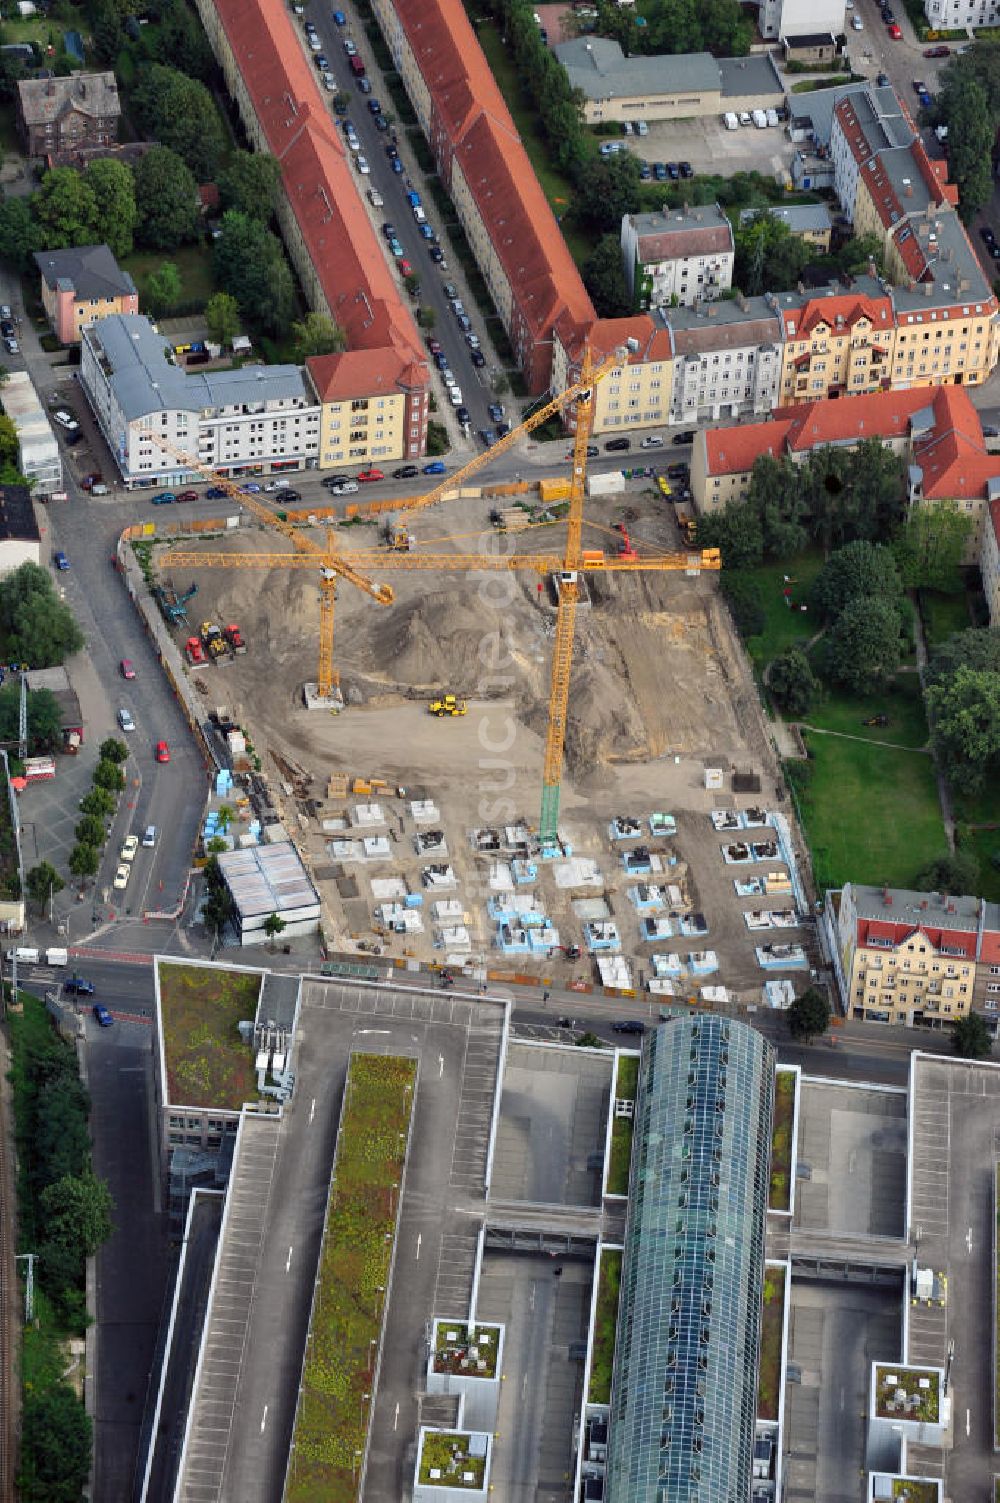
(810, 223)
(960, 15)
(333, 246)
(80, 285)
(64, 114)
(947, 317)
(917, 957)
(727, 360)
(836, 341)
(677, 254)
(258, 420)
(936, 432)
(863, 124)
(363, 411)
(506, 217)
(989, 561)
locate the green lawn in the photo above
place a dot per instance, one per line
(903, 703)
(982, 844)
(870, 813)
(194, 262)
(785, 627)
(605, 1326)
(336, 1395)
(626, 1081)
(943, 615)
(208, 1063)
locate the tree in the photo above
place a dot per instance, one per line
(427, 317)
(589, 1040)
(109, 775)
(83, 861)
(55, 1446)
(164, 287)
(862, 647)
(90, 831)
(744, 598)
(217, 909)
(316, 335)
(964, 710)
(112, 749)
(768, 255)
(182, 42)
(604, 279)
(222, 318)
(955, 875)
(180, 113)
(77, 1209)
(41, 881)
(274, 925)
(736, 531)
(166, 197)
(931, 548)
(858, 570)
(65, 210)
(217, 845)
(809, 1015)
(250, 183)
(792, 682)
(38, 626)
(113, 187)
(607, 189)
(971, 1037)
(19, 237)
(250, 263)
(976, 647)
(971, 133)
(44, 718)
(98, 802)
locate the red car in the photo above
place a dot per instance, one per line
(186, 496)
(405, 269)
(371, 474)
(162, 752)
(941, 51)
(895, 33)
(127, 671)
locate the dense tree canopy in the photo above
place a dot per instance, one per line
(65, 210)
(857, 570)
(250, 264)
(792, 682)
(166, 196)
(55, 1446)
(968, 102)
(179, 112)
(964, 710)
(40, 629)
(862, 648)
(769, 257)
(930, 549)
(44, 719)
(604, 278)
(113, 187)
(249, 184)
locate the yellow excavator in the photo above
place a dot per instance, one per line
(448, 704)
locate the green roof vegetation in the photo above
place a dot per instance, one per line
(626, 1081)
(907, 1380)
(780, 1192)
(605, 1326)
(468, 1355)
(447, 1454)
(336, 1396)
(772, 1325)
(208, 1063)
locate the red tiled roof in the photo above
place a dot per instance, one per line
(848, 307)
(952, 454)
(472, 128)
(322, 191)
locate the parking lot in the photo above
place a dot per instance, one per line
(711, 148)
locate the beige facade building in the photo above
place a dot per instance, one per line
(838, 341)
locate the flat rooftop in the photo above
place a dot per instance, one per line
(265, 879)
(207, 1062)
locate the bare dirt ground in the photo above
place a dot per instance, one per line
(660, 691)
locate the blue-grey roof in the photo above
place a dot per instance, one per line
(801, 219)
(819, 105)
(89, 271)
(684, 1392)
(755, 76)
(144, 378)
(598, 67)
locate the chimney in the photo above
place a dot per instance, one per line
(872, 268)
(886, 898)
(907, 188)
(923, 903)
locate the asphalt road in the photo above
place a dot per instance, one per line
(474, 383)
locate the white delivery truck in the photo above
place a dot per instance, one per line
(759, 119)
(57, 957)
(730, 121)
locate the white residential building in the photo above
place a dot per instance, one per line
(956, 15)
(727, 360)
(685, 255)
(260, 419)
(863, 124)
(38, 452)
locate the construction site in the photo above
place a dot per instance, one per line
(529, 732)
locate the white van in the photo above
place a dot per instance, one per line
(419, 214)
(57, 957)
(641, 128)
(772, 116)
(27, 956)
(759, 119)
(730, 121)
(375, 198)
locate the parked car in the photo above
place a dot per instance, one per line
(436, 467)
(186, 496)
(652, 441)
(896, 34)
(339, 19)
(372, 473)
(125, 720)
(130, 847)
(66, 420)
(630, 1025)
(660, 171)
(162, 752)
(121, 877)
(126, 669)
(495, 410)
(614, 445)
(60, 560)
(104, 1018)
(345, 488)
(405, 472)
(78, 986)
(686, 170)
(941, 51)
(687, 437)
(149, 837)
(437, 254)
(478, 358)
(215, 493)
